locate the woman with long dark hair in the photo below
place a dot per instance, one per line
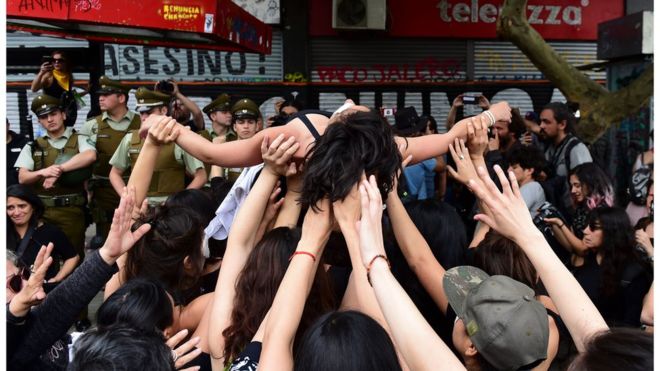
(26, 233)
(612, 272)
(590, 188)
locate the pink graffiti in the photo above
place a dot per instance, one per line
(426, 70)
(87, 5)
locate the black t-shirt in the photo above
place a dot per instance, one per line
(624, 306)
(14, 148)
(62, 248)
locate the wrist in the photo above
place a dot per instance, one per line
(18, 308)
(107, 257)
(378, 264)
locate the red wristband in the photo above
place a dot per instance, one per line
(303, 253)
(372, 263)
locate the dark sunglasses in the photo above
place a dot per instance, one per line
(58, 60)
(15, 281)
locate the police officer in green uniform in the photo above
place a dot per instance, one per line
(172, 164)
(245, 115)
(57, 166)
(104, 132)
(219, 112)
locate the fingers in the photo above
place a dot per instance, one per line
(406, 161)
(514, 185)
(452, 150)
(264, 145)
(506, 188)
(452, 172)
(187, 352)
(141, 231)
(470, 129)
(491, 191)
(176, 338)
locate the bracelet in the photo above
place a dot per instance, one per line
(372, 263)
(491, 118)
(303, 253)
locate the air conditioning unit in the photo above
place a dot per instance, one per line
(359, 14)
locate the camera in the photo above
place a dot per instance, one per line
(547, 210)
(46, 59)
(165, 86)
(469, 99)
(387, 111)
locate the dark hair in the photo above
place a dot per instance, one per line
(363, 142)
(346, 340)
(67, 61)
(295, 103)
(140, 303)
(257, 285)
(121, 349)
(26, 194)
(442, 228)
(528, 157)
(599, 190)
(196, 200)
(517, 124)
(562, 112)
(616, 349)
(618, 246)
(498, 255)
(432, 124)
(176, 233)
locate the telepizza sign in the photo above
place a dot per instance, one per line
(553, 19)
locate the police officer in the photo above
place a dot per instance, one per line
(57, 166)
(172, 164)
(219, 112)
(245, 117)
(104, 132)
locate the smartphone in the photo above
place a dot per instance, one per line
(46, 59)
(468, 99)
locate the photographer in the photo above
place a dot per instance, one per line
(182, 108)
(462, 100)
(56, 80)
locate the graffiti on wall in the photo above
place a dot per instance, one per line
(426, 70)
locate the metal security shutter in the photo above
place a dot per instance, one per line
(500, 60)
(136, 62)
(370, 60)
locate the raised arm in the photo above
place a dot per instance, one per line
(508, 214)
(289, 303)
(240, 243)
(427, 146)
(44, 78)
(420, 346)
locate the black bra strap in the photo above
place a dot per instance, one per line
(310, 127)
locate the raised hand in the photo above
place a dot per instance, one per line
(494, 143)
(458, 101)
(464, 167)
(184, 353)
(120, 238)
(506, 211)
(317, 225)
(277, 156)
(484, 103)
(33, 292)
(477, 135)
(160, 129)
(644, 239)
(347, 211)
(369, 226)
(274, 204)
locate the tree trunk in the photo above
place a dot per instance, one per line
(599, 108)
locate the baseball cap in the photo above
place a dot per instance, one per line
(505, 322)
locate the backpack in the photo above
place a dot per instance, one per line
(638, 186)
(556, 186)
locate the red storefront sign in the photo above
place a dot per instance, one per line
(476, 19)
(207, 24)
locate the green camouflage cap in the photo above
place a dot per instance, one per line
(502, 317)
(43, 104)
(245, 108)
(221, 103)
(109, 86)
(149, 98)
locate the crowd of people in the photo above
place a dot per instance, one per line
(316, 240)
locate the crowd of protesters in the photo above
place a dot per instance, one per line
(316, 240)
